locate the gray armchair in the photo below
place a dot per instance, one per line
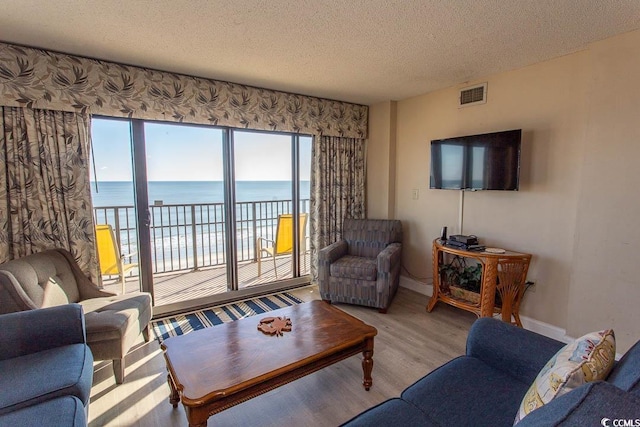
(364, 267)
(52, 278)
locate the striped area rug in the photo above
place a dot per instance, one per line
(188, 322)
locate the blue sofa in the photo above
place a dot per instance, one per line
(485, 387)
(46, 367)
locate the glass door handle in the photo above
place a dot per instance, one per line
(147, 221)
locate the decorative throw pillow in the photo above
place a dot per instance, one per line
(589, 358)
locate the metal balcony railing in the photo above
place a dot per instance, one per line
(191, 236)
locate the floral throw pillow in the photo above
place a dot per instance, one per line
(589, 358)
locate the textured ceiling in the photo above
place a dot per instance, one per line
(362, 51)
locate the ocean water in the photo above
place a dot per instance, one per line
(120, 193)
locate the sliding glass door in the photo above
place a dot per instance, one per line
(264, 221)
(217, 211)
(185, 196)
(304, 196)
(113, 197)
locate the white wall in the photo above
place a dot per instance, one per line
(579, 115)
(605, 276)
(381, 152)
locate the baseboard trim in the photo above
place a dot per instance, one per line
(416, 286)
(546, 329)
(529, 323)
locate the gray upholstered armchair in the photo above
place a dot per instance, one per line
(52, 278)
(364, 267)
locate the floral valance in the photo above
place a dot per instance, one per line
(42, 79)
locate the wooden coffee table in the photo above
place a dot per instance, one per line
(215, 368)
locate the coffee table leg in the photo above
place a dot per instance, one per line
(174, 397)
(367, 363)
(197, 417)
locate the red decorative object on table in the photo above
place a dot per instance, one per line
(274, 325)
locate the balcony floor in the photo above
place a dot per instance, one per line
(180, 286)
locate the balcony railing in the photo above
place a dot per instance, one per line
(191, 236)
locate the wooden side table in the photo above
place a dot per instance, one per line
(505, 272)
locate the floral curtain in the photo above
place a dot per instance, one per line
(36, 78)
(45, 198)
(337, 190)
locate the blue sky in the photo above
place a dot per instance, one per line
(194, 153)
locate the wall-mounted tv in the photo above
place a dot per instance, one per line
(490, 161)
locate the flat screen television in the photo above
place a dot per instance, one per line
(490, 161)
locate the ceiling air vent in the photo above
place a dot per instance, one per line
(473, 95)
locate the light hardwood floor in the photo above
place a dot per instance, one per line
(410, 343)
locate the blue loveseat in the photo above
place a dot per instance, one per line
(46, 367)
(485, 387)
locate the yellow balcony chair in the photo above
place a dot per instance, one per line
(283, 243)
(111, 261)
